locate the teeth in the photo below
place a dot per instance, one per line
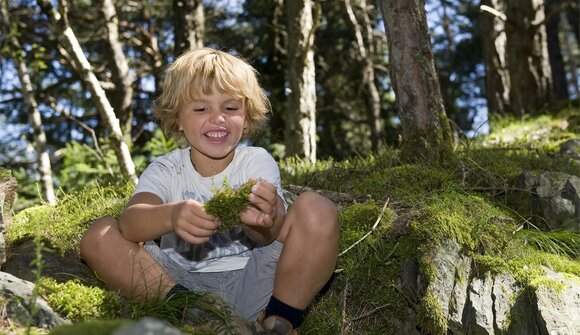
(216, 134)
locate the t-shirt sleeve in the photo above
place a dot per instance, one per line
(156, 179)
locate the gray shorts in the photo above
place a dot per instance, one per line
(248, 290)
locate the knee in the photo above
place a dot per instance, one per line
(94, 238)
(317, 214)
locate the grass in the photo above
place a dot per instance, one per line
(428, 204)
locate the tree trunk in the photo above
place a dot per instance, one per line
(527, 56)
(123, 79)
(189, 25)
(497, 80)
(300, 131)
(44, 165)
(365, 52)
(426, 133)
(97, 93)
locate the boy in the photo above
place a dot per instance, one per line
(273, 263)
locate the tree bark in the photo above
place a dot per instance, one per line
(123, 79)
(189, 25)
(497, 79)
(300, 129)
(44, 165)
(426, 133)
(527, 56)
(365, 52)
(97, 93)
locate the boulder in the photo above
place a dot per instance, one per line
(23, 306)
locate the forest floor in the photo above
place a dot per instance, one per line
(391, 213)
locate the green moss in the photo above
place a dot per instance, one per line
(227, 203)
(78, 302)
(430, 316)
(64, 224)
(92, 327)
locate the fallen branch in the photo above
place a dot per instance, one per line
(373, 228)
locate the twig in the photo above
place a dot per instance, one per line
(370, 231)
(344, 322)
(493, 12)
(371, 312)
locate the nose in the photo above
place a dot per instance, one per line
(217, 117)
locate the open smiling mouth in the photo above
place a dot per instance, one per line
(216, 136)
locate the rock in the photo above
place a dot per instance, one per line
(23, 306)
(558, 310)
(479, 307)
(455, 321)
(571, 148)
(147, 326)
(59, 267)
(560, 195)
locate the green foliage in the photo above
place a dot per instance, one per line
(78, 302)
(64, 224)
(85, 165)
(159, 144)
(227, 203)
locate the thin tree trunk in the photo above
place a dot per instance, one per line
(497, 80)
(123, 79)
(365, 51)
(426, 133)
(189, 25)
(300, 131)
(97, 93)
(44, 165)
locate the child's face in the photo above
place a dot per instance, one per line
(213, 125)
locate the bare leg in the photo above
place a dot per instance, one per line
(308, 259)
(124, 266)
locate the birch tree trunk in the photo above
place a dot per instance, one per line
(300, 129)
(123, 79)
(189, 25)
(44, 165)
(426, 133)
(497, 79)
(97, 93)
(365, 51)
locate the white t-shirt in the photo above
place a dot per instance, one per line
(172, 177)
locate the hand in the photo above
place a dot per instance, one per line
(263, 210)
(190, 221)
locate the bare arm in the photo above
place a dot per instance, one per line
(264, 219)
(146, 218)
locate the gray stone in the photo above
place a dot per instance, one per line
(560, 198)
(571, 148)
(455, 321)
(147, 326)
(503, 294)
(558, 311)
(23, 306)
(479, 307)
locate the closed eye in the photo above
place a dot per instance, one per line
(199, 110)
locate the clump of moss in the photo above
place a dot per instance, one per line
(78, 302)
(92, 327)
(63, 225)
(430, 316)
(227, 203)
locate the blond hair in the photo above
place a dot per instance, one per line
(197, 72)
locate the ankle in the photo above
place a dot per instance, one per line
(294, 316)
